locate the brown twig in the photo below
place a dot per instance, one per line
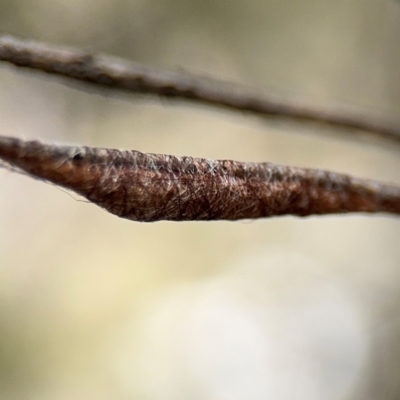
(131, 77)
(153, 187)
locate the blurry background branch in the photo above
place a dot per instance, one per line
(131, 77)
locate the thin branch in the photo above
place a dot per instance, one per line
(153, 187)
(127, 76)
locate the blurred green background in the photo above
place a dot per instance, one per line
(96, 307)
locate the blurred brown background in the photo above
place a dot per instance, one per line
(96, 307)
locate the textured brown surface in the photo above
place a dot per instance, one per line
(153, 187)
(123, 75)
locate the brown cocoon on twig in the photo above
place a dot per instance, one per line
(153, 187)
